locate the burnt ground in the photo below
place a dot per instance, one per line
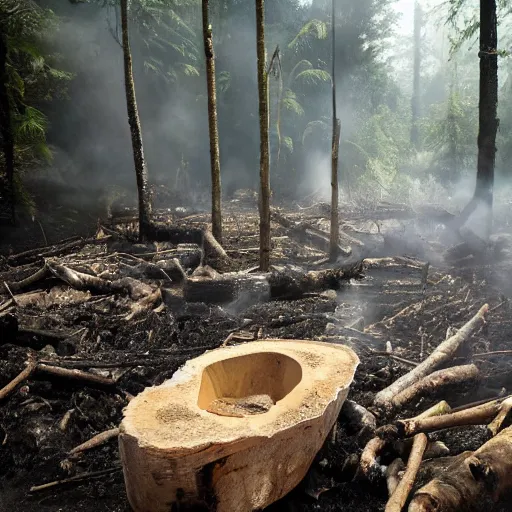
(41, 421)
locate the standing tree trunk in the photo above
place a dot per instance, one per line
(487, 120)
(6, 132)
(264, 200)
(487, 109)
(336, 128)
(415, 102)
(212, 125)
(141, 170)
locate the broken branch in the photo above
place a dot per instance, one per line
(399, 497)
(25, 374)
(95, 441)
(444, 352)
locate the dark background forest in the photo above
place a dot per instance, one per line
(71, 127)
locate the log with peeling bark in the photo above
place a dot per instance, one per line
(357, 417)
(443, 353)
(307, 234)
(201, 236)
(473, 485)
(81, 281)
(480, 415)
(435, 383)
(285, 284)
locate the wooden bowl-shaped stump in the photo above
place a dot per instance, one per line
(234, 429)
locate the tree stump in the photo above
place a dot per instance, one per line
(236, 428)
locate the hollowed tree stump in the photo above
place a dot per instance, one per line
(234, 429)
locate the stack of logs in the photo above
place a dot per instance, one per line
(469, 481)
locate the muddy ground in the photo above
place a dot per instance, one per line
(391, 298)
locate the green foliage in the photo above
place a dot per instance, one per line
(314, 29)
(30, 80)
(450, 133)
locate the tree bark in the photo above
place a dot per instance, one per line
(415, 102)
(487, 119)
(212, 125)
(488, 106)
(141, 170)
(336, 127)
(6, 132)
(264, 200)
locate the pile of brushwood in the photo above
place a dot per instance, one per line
(88, 323)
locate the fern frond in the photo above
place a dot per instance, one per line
(315, 28)
(313, 76)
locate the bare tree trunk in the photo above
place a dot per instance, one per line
(6, 132)
(487, 119)
(488, 107)
(264, 200)
(336, 128)
(141, 170)
(415, 102)
(212, 125)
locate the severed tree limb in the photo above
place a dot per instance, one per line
(77, 478)
(472, 485)
(39, 275)
(368, 463)
(479, 415)
(25, 374)
(81, 281)
(441, 407)
(95, 441)
(434, 383)
(357, 416)
(75, 375)
(504, 415)
(444, 352)
(399, 497)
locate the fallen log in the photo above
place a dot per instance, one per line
(479, 481)
(435, 383)
(480, 415)
(443, 353)
(201, 236)
(307, 234)
(357, 417)
(287, 284)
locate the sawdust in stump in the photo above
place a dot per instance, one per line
(241, 407)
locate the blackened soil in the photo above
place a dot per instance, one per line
(47, 417)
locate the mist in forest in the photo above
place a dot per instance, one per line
(89, 131)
